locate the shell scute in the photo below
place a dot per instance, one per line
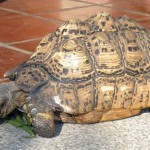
(101, 22)
(106, 53)
(105, 91)
(64, 64)
(125, 23)
(44, 49)
(136, 60)
(74, 28)
(31, 77)
(100, 63)
(77, 98)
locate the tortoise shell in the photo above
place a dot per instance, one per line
(101, 63)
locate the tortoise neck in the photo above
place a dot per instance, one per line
(16, 95)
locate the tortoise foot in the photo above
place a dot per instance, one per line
(41, 116)
(43, 125)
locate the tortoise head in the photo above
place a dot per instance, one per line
(10, 98)
(5, 98)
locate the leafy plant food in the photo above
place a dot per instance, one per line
(22, 121)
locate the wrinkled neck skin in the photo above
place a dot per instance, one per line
(10, 98)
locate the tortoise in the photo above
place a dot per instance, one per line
(84, 72)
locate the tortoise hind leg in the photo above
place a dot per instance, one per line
(96, 116)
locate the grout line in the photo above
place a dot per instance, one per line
(118, 9)
(35, 15)
(103, 5)
(83, 2)
(60, 22)
(66, 9)
(98, 3)
(24, 41)
(32, 15)
(15, 49)
(114, 7)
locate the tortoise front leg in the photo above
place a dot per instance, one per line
(42, 117)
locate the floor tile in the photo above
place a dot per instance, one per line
(34, 6)
(22, 28)
(16, 27)
(29, 46)
(10, 59)
(7, 14)
(84, 13)
(100, 1)
(133, 6)
(143, 2)
(145, 23)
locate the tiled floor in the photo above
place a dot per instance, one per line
(23, 23)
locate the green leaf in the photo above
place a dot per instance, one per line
(27, 119)
(15, 123)
(29, 131)
(22, 121)
(19, 119)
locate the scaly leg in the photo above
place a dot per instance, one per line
(42, 117)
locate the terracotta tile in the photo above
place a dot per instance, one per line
(10, 59)
(22, 28)
(8, 14)
(143, 2)
(29, 46)
(133, 5)
(84, 13)
(145, 23)
(33, 6)
(100, 1)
